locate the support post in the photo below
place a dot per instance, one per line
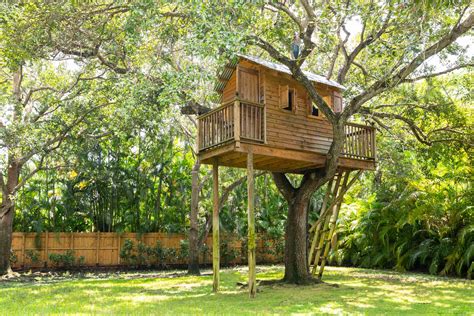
(215, 226)
(251, 225)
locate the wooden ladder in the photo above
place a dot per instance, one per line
(323, 230)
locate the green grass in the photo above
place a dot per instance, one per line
(359, 291)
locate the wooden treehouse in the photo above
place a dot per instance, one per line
(266, 121)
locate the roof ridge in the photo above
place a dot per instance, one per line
(283, 68)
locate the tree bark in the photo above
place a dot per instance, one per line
(193, 264)
(296, 263)
(296, 234)
(7, 213)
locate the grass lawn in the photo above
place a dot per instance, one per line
(357, 291)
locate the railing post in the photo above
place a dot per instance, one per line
(264, 124)
(374, 147)
(199, 137)
(237, 122)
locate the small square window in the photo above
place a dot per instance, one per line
(314, 110)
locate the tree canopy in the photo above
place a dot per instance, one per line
(92, 137)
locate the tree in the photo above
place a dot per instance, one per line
(393, 47)
(61, 64)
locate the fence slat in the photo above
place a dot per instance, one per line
(99, 248)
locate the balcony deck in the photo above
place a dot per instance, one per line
(230, 131)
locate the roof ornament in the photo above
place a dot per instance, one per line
(296, 46)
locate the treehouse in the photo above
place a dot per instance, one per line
(266, 111)
(266, 121)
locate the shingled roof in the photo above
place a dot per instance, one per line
(226, 72)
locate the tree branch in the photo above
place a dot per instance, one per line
(297, 74)
(386, 83)
(287, 11)
(62, 135)
(3, 186)
(341, 77)
(284, 185)
(438, 73)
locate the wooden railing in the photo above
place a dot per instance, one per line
(234, 120)
(217, 126)
(359, 142)
(252, 123)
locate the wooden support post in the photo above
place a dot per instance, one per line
(215, 226)
(251, 225)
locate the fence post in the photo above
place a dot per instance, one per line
(118, 249)
(46, 249)
(97, 249)
(23, 249)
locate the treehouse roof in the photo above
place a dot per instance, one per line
(226, 72)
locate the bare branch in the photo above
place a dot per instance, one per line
(386, 83)
(309, 10)
(297, 74)
(284, 185)
(288, 12)
(363, 44)
(438, 73)
(49, 145)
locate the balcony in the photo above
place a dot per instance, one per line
(230, 130)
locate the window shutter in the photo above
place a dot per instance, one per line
(284, 96)
(337, 101)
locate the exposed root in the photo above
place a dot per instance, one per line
(283, 282)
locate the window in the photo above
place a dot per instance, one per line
(287, 98)
(314, 110)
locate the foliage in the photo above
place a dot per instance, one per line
(415, 212)
(109, 80)
(141, 255)
(66, 259)
(32, 255)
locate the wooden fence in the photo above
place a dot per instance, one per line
(103, 249)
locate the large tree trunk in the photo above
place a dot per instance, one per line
(193, 264)
(296, 246)
(6, 226)
(7, 213)
(296, 262)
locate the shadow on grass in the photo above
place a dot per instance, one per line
(357, 292)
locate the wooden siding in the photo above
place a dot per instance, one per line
(230, 90)
(295, 129)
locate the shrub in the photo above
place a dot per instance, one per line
(32, 256)
(66, 259)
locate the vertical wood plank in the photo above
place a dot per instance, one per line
(118, 249)
(23, 248)
(46, 248)
(237, 122)
(264, 124)
(97, 248)
(71, 241)
(251, 225)
(215, 226)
